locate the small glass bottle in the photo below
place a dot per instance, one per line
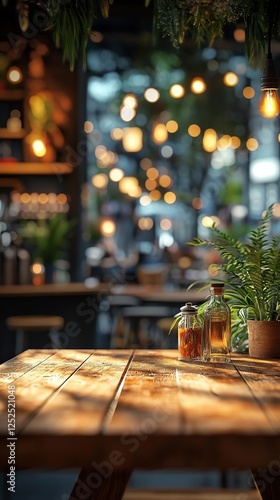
(217, 325)
(189, 334)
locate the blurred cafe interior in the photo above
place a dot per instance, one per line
(114, 157)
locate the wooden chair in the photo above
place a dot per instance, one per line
(23, 325)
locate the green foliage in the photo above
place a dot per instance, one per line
(251, 270)
(205, 20)
(70, 21)
(47, 239)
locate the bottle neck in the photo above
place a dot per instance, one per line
(217, 295)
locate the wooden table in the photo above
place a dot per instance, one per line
(112, 411)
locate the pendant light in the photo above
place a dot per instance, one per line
(269, 106)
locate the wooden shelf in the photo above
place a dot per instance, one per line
(11, 94)
(35, 168)
(5, 133)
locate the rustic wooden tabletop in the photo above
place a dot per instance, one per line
(141, 409)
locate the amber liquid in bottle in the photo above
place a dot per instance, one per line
(216, 333)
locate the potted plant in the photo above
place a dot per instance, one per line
(47, 239)
(250, 269)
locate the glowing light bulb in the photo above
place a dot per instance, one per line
(269, 106)
(39, 148)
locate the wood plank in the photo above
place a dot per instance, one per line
(87, 400)
(263, 379)
(12, 370)
(196, 397)
(35, 386)
(149, 395)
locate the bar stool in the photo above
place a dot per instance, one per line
(135, 316)
(23, 325)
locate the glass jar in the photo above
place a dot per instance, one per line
(189, 334)
(217, 324)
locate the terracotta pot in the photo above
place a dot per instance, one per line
(264, 339)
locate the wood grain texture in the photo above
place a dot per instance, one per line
(144, 407)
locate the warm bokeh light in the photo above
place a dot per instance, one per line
(152, 173)
(100, 152)
(127, 114)
(155, 195)
(135, 191)
(132, 140)
(177, 91)
(159, 133)
(194, 130)
(14, 75)
(43, 198)
(88, 127)
(37, 268)
(224, 142)
(209, 140)
(170, 197)
(198, 85)
(239, 35)
(39, 148)
(61, 199)
(165, 181)
(252, 144)
(151, 95)
(197, 203)
(107, 228)
(25, 198)
(269, 106)
(116, 174)
(130, 101)
(235, 142)
(116, 134)
(230, 79)
(145, 200)
(145, 223)
(128, 185)
(184, 262)
(165, 224)
(276, 210)
(248, 92)
(38, 273)
(208, 221)
(99, 181)
(172, 126)
(150, 184)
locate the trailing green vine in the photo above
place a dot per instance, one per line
(202, 21)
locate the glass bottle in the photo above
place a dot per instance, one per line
(217, 324)
(189, 334)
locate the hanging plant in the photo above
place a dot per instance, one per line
(205, 20)
(70, 21)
